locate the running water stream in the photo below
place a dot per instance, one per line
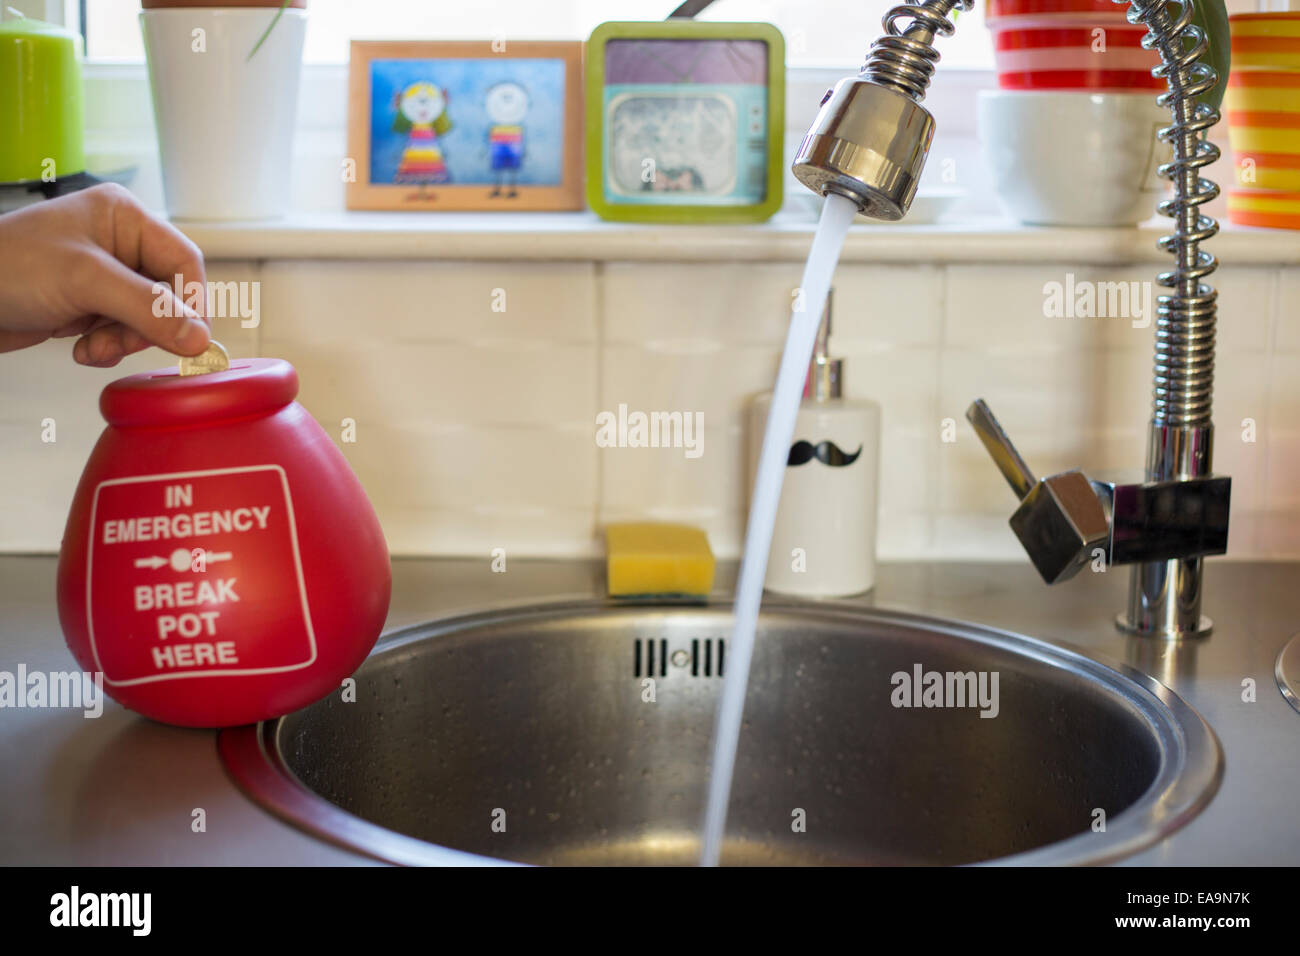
(837, 214)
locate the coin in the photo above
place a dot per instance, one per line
(214, 358)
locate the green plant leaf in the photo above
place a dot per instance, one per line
(1212, 17)
(276, 19)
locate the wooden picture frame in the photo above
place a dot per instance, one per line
(445, 125)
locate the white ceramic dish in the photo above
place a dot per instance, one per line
(1074, 158)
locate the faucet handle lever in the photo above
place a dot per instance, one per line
(999, 446)
(1062, 521)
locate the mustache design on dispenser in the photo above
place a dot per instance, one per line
(827, 452)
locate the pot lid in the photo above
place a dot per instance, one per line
(164, 397)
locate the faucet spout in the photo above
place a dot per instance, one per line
(872, 135)
(869, 143)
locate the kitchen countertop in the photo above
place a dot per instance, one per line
(120, 789)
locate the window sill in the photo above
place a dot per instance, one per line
(581, 236)
(118, 101)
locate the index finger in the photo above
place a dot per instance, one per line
(103, 285)
(156, 248)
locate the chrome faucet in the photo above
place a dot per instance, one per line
(869, 143)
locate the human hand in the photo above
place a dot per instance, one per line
(87, 264)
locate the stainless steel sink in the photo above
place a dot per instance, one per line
(527, 735)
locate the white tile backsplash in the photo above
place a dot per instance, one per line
(673, 304)
(450, 383)
(1000, 310)
(1282, 465)
(475, 425)
(1247, 308)
(877, 306)
(547, 532)
(903, 381)
(1286, 337)
(1283, 373)
(662, 484)
(707, 377)
(1020, 390)
(37, 481)
(461, 468)
(1273, 534)
(346, 303)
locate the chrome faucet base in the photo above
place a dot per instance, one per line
(1164, 601)
(1165, 596)
(1204, 628)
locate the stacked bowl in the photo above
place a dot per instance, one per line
(1263, 111)
(1070, 135)
(1069, 45)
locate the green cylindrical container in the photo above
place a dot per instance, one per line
(41, 111)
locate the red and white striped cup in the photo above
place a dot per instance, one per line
(1069, 45)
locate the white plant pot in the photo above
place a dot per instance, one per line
(225, 122)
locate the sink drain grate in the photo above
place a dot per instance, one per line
(706, 657)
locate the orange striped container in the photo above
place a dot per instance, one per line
(1262, 107)
(1265, 41)
(1277, 209)
(1263, 112)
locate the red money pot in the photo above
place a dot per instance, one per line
(221, 563)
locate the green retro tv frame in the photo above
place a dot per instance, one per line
(596, 133)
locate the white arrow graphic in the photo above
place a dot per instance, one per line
(218, 556)
(151, 562)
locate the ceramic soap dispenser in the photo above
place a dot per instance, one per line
(824, 544)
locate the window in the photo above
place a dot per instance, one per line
(831, 33)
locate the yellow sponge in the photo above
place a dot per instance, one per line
(658, 558)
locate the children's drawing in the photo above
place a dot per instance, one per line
(497, 123)
(506, 105)
(421, 113)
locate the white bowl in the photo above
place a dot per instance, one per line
(1066, 158)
